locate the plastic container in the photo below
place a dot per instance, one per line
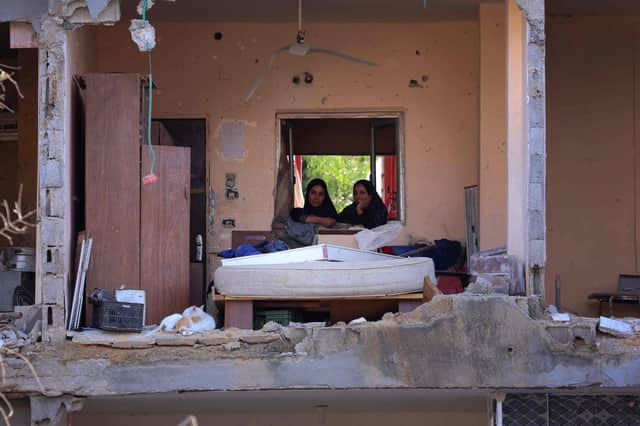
(118, 316)
(281, 316)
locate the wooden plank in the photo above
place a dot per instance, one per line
(406, 296)
(429, 290)
(22, 36)
(239, 314)
(112, 176)
(164, 232)
(405, 306)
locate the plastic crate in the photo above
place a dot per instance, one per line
(281, 316)
(118, 316)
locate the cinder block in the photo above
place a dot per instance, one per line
(536, 197)
(537, 227)
(537, 252)
(52, 231)
(53, 324)
(537, 168)
(537, 141)
(536, 113)
(53, 288)
(52, 173)
(561, 333)
(55, 202)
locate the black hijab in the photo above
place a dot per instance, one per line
(326, 209)
(374, 215)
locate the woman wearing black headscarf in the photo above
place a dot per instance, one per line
(367, 208)
(318, 207)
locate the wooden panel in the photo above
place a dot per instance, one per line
(238, 314)
(165, 232)
(22, 36)
(112, 176)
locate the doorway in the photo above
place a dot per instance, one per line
(191, 132)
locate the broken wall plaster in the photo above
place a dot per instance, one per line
(473, 336)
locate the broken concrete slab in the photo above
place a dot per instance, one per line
(615, 327)
(215, 339)
(176, 340)
(232, 346)
(260, 338)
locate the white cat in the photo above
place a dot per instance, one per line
(193, 320)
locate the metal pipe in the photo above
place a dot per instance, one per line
(373, 155)
(291, 162)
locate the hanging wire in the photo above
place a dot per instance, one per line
(150, 101)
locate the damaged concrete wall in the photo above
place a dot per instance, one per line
(462, 342)
(593, 172)
(198, 76)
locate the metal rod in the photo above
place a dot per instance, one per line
(557, 285)
(373, 155)
(291, 161)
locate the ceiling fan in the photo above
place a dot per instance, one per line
(299, 48)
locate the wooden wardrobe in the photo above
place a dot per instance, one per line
(140, 232)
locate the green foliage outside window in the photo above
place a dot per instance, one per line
(340, 172)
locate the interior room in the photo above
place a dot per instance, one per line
(18, 172)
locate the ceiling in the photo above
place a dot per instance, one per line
(356, 10)
(382, 400)
(313, 10)
(593, 7)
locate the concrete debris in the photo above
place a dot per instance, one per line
(96, 7)
(215, 339)
(356, 321)
(615, 327)
(176, 340)
(12, 338)
(272, 327)
(561, 317)
(143, 34)
(150, 4)
(307, 324)
(489, 284)
(231, 346)
(260, 338)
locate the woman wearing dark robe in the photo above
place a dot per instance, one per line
(318, 208)
(367, 208)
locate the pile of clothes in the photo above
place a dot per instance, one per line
(250, 249)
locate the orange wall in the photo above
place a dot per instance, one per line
(493, 156)
(200, 77)
(592, 130)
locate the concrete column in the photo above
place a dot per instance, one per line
(493, 158)
(526, 150)
(53, 181)
(53, 411)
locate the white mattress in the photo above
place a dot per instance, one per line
(385, 275)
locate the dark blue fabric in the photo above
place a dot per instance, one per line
(249, 250)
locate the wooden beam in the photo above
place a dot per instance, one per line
(22, 36)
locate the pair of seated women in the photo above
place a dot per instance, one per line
(367, 208)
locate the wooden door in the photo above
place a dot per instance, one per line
(112, 179)
(164, 232)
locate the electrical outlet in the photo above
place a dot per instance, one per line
(228, 222)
